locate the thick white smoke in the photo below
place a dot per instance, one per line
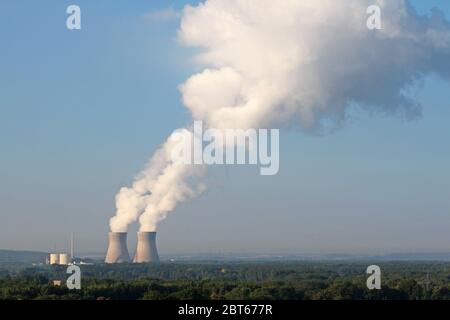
(273, 63)
(158, 188)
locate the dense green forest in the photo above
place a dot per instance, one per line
(230, 280)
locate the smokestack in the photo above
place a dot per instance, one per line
(146, 248)
(117, 250)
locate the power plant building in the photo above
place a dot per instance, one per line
(54, 258)
(146, 248)
(64, 259)
(117, 248)
(59, 259)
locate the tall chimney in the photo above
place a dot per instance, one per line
(146, 248)
(117, 250)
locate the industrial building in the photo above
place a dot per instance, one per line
(146, 250)
(59, 259)
(117, 249)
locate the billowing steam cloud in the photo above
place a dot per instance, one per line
(158, 188)
(273, 63)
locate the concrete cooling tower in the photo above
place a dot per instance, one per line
(117, 249)
(146, 248)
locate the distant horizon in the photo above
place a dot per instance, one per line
(230, 254)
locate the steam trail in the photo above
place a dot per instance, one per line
(158, 188)
(273, 63)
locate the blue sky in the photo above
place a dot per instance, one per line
(82, 111)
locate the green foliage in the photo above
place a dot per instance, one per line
(237, 281)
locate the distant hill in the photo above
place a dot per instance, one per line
(418, 256)
(437, 256)
(22, 256)
(36, 257)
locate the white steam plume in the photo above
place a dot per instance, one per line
(273, 63)
(158, 188)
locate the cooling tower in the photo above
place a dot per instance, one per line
(117, 250)
(146, 248)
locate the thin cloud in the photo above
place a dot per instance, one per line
(168, 14)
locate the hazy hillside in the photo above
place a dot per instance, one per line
(22, 256)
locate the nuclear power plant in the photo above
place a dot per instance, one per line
(145, 250)
(117, 249)
(61, 258)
